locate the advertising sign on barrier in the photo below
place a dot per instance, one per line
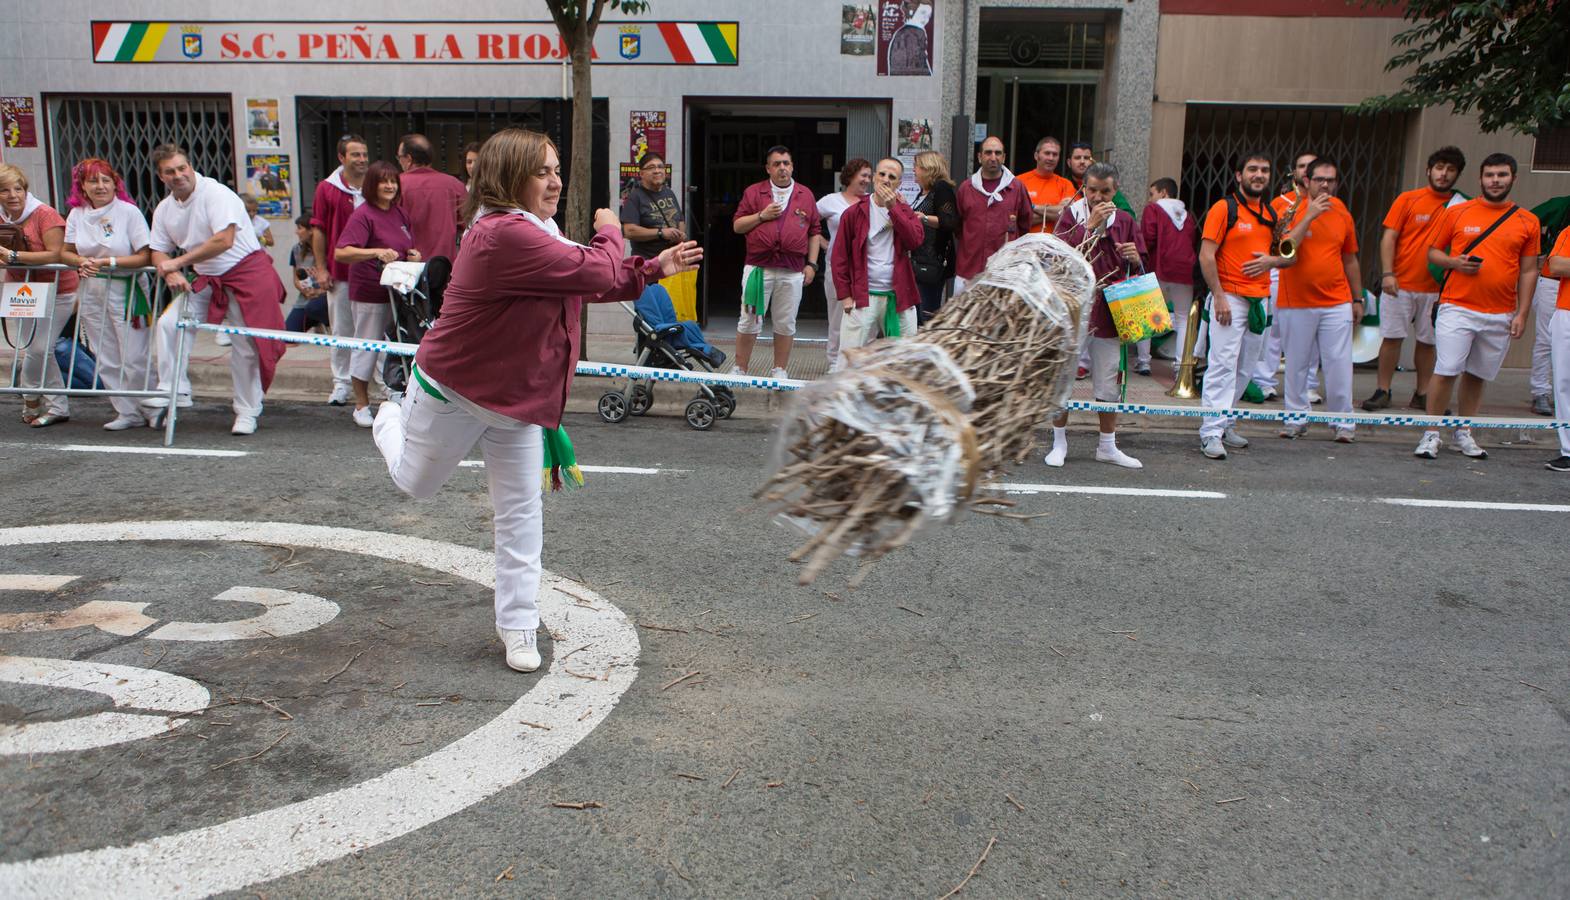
(26, 299)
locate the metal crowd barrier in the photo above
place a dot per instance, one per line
(35, 337)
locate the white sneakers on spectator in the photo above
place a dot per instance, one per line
(244, 425)
(1344, 435)
(1212, 447)
(1294, 430)
(779, 373)
(121, 423)
(1059, 451)
(222, 339)
(1106, 451)
(1231, 438)
(1314, 397)
(339, 396)
(163, 402)
(522, 654)
(1466, 446)
(1428, 447)
(364, 418)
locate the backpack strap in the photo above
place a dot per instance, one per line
(1490, 230)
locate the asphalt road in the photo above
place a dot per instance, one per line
(1273, 683)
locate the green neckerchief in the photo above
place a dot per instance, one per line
(890, 313)
(561, 463)
(752, 296)
(1258, 319)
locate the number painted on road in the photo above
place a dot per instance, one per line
(127, 686)
(287, 612)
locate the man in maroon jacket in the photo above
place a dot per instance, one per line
(993, 210)
(430, 198)
(1119, 251)
(871, 265)
(337, 197)
(1172, 236)
(780, 219)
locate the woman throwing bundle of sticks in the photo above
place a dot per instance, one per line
(496, 367)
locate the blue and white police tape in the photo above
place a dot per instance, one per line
(614, 370)
(589, 369)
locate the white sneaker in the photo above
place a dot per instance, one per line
(1428, 447)
(244, 425)
(222, 340)
(1313, 397)
(121, 423)
(1056, 455)
(1466, 446)
(364, 418)
(522, 654)
(1294, 430)
(1344, 436)
(1117, 457)
(339, 396)
(1231, 438)
(1269, 394)
(779, 373)
(184, 402)
(1211, 447)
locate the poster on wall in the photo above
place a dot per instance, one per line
(857, 30)
(905, 35)
(647, 130)
(913, 136)
(261, 123)
(18, 122)
(267, 179)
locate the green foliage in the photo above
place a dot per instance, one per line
(572, 15)
(1506, 60)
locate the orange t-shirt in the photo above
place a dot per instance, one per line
(1318, 278)
(1413, 217)
(1046, 190)
(1493, 288)
(1562, 250)
(1250, 235)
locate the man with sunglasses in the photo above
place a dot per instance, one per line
(651, 218)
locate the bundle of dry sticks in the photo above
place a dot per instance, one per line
(909, 430)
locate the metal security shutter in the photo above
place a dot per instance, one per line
(1551, 150)
(1367, 148)
(124, 131)
(867, 131)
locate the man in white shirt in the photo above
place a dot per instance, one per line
(202, 225)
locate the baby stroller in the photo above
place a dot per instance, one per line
(413, 313)
(666, 343)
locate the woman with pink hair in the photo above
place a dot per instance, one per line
(105, 234)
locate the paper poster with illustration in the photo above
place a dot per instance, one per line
(858, 29)
(647, 131)
(915, 135)
(267, 179)
(261, 123)
(18, 122)
(905, 34)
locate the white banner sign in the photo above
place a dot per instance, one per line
(26, 299)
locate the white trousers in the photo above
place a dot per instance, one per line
(244, 366)
(122, 351)
(40, 367)
(1232, 348)
(423, 443)
(1272, 348)
(370, 323)
(860, 327)
(1559, 345)
(340, 316)
(1544, 300)
(1182, 297)
(1313, 337)
(836, 319)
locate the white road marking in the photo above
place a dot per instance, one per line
(127, 686)
(1474, 504)
(1017, 488)
(287, 613)
(112, 616)
(35, 582)
(603, 470)
(287, 839)
(147, 451)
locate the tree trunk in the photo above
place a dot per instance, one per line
(580, 168)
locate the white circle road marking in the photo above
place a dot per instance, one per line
(127, 686)
(287, 613)
(277, 842)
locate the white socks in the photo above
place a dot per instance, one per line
(1106, 450)
(1059, 449)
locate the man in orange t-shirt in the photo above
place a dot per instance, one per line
(1407, 291)
(1559, 345)
(1485, 298)
(1235, 257)
(1318, 300)
(1049, 191)
(1263, 372)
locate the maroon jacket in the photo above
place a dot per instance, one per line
(253, 284)
(507, 338)
(1106, 262)
(850, 254)
(782, 243)
(983, 229)
(1173, 252)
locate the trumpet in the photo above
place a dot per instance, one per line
(1183, 388)
(1283, 246)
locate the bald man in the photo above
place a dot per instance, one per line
(994, 208)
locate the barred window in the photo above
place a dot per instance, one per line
(1551, 150)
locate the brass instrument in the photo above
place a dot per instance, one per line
(1183, 388)
(1283, 246)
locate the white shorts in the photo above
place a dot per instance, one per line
(1105, 361)
(1471, 342)
(1407, 312)
(781, 298)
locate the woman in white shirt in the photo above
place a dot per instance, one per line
(856, 182)
(104, 235)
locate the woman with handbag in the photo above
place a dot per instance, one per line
(935, 207)
(855, 182)
(37, 235)
(105, 232)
